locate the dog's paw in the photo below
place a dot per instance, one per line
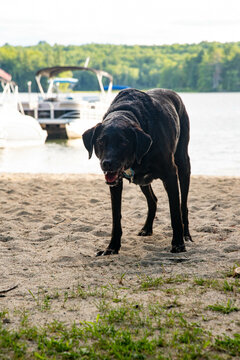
(188, 238)
(145, 232)
(107, 252)
(178, 249)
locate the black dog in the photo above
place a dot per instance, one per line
(144, 136)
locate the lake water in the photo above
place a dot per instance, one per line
(214, 145)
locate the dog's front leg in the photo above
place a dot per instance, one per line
(116, 199)
(171, 186)
(152, 207)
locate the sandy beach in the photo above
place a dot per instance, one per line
(53, 225)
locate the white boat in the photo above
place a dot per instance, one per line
(16, 128)
(68, 114)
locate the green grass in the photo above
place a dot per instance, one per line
(231, 285)
(229, 345)
(230, 271)
(131, 324)
(3, 314)
(147, 282)
(225, 309)
(126, 331)
(42, 300)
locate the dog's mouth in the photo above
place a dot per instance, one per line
(112, 177)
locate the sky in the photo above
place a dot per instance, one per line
(130, 22)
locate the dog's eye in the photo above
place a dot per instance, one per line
(100, 142)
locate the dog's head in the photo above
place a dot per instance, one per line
(118, 145)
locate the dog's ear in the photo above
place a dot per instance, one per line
(143, 144)
(89, 137)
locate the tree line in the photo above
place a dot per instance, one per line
(203, 67)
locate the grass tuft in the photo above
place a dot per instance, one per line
(225, 309)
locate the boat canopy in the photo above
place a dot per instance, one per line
(51, 72)
(55, 70)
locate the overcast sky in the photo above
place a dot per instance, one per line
(143, 22)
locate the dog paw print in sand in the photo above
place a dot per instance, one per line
(101, 233)
(94, 201)
(46, 227)
(5, 238)
(82, 228)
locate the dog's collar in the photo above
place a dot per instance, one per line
(129, 174)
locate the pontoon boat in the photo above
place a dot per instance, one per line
(68, 114)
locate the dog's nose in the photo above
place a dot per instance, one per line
(107, 165)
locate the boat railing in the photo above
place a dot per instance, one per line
(10, 95)
(51, 107)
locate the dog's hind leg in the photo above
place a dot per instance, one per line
(171, 185)
(152, 207)
(184, 170)
(183, 165)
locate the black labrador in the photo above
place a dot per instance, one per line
(144, 136)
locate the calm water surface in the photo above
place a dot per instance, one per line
(214, 145)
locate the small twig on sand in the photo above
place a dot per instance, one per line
(59, 222)
(7, 290)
